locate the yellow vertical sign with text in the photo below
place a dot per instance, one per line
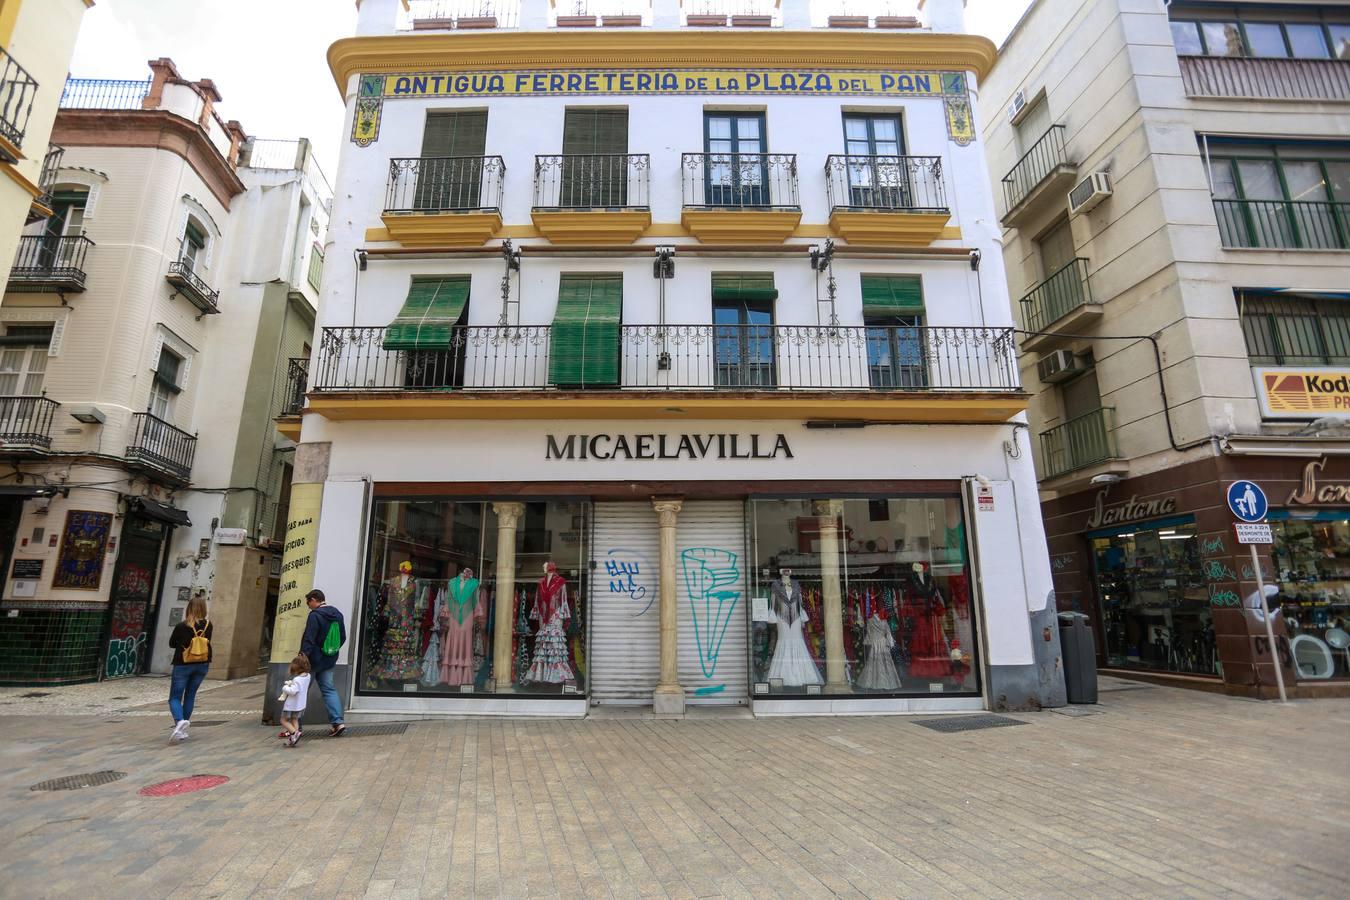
(297, 570)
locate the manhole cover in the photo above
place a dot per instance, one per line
(32, 694)
(72, 782)
(375, 730)
(967, 723)
(175, 786)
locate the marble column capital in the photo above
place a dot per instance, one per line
(508, 514)
(667, 510)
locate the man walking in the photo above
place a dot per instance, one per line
(325, 633)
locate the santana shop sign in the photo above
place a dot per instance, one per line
(1302, 393)
(1129, 511)
(667, 446)
(1312, 493)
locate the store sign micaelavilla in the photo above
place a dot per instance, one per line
(667, 446)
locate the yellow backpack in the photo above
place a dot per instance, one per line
(198, 649)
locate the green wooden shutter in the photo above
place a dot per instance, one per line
(892, 295)
(450, 175)
(455, 133)
(584, 339)
(594, 180)
(743, 286)
(429, 315)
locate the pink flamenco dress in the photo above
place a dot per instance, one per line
(461, 615)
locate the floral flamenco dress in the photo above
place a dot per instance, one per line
(400, 660)
(461, 614)
(550, 664)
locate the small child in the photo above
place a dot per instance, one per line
(294, 692)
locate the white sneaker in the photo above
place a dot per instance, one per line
(187, 728)
(178, 732)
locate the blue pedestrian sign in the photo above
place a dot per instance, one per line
(1247, 501)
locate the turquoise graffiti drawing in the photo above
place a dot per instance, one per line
(709, 574)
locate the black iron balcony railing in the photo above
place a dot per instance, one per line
(1046, 155)
(26, 422)
(1266, 78)
(435, 184)
(1284, 224)
(185, 280)
(17, 90)
(160, 446)
(47, 262)
(681, 357)
(1057, 296)
(297, 378)
(1083, 441)
(740, 180)
(592, 181)
(897, 183)
(104, 93)
(41, 207)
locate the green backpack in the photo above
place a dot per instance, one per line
(332, 642)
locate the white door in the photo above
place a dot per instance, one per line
(710, 578)
(625, 620)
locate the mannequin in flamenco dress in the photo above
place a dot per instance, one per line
(878, 671)
(399, 660)
(929, 651)
(461, 616)
(550, 665)
(431, 640)
(791, 660)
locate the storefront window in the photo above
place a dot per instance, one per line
(1154, 600)
(862, 596)
(430, 611)
(1312, 561)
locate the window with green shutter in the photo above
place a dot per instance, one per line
(450, 175)
(584, 339)
(595, 166)
(744, 286)
(893, 316)
(429, 315)
(892, 295)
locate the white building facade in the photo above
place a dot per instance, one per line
(681, 378)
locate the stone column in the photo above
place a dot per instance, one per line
(831, 582)
(668, 699)
(504, 620)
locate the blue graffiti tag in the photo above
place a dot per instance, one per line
(624, 572)
(708, 572)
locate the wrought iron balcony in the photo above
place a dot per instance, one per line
(740, 180)
(1084, 441)
(1283, 224)
(17, 90)
(26, 424)
(592, 181)
(462, 14)
(186, 281)
(1265, 78)
(297, 378)
(41, 206)
(160, 447)
(890, 183)
(750, 358)
(1035, 174)
(48, 263)
(104, 93)
(1064, 292)
(441, 184)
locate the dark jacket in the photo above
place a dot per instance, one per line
(316, 629)
(182, 636)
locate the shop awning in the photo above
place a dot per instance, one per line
(429, 314)
(152, 509)
(584, 340)
(747, 287)
(892, 295)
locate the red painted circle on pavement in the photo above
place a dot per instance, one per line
(186, 785)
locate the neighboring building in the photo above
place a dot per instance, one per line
(37, 38)
(684, 306)
(147, 339)
(1175, 197)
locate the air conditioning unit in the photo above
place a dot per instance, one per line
(1058, 366)
(1019, 103)
(1089, 192)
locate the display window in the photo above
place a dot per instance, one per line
(1154, 598)
(430, 610)
(1312, 562)
(862, 596)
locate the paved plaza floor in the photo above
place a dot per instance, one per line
(1156, 792)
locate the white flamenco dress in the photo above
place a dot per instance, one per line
(791, 660)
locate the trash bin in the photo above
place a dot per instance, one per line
(1080, 657)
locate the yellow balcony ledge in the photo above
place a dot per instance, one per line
(449, 229)
(592, 226)
(884, 228)
(746, 226)
(288, 427)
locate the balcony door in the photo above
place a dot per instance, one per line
(743, 330)
(450, 173)
(735, 170)
(893, 314)
(23, 368)
(66, 221)
(595, 159)
(876, 175)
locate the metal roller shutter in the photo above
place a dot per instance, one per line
(710, 576)
(625, 621)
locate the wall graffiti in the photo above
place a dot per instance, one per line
(1249, 574)
(709, 576)
(1217, 571)
(624, 570)
(1212, 546)
(124, 656)
(1224, 598)
(1062, 561)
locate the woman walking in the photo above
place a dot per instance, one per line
(191, 643)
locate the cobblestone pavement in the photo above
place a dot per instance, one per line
(1156, 792)
(125, 696)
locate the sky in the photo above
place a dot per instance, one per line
(267, 57)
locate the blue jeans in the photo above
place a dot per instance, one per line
(330, 695)
(183, 689)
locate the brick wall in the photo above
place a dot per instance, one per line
(50, 646)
